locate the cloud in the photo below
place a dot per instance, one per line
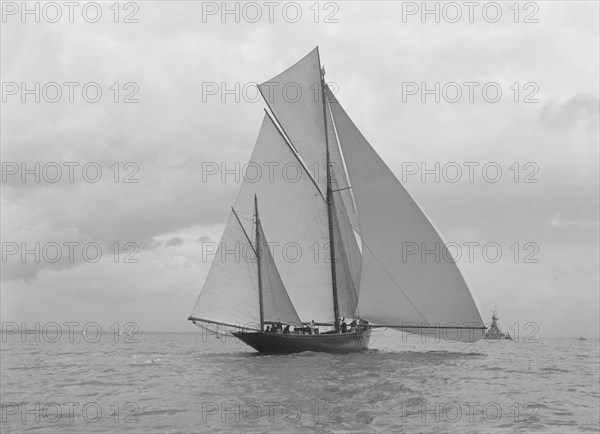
(175, 241)
(581, 109)
(174, 130)
(559, 222)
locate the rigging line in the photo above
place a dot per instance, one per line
(392, 279)
(193, 318)
(410, 327)
(377, 338)
(244, 229)
(247, 219)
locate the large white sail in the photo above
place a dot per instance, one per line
(398, 288)
(230, 291)
(293, 215)
(277, 306)
(295, 98)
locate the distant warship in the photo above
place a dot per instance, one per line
(494, 332)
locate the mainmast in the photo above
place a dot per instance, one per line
(330, 211)
(258, 254)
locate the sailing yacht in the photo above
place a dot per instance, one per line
(319, 232)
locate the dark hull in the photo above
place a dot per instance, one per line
(275, 343)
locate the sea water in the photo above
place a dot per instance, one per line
(194, 382)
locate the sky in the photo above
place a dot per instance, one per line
(118, 183)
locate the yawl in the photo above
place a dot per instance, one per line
(322, 230)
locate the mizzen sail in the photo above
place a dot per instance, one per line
(230, 291)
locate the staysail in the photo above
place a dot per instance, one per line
(401, 284)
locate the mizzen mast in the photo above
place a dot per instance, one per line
(330, 211)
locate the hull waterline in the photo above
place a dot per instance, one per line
(276, 343)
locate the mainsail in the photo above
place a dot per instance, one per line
(294, 218)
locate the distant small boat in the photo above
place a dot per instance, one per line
(581, 338)
(494, 331)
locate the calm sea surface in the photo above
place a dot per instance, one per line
(180, 382)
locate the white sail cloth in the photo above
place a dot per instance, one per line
(230, 291)
(277, 306)
(293, 216)
(402, 276)
(295, 98)
(397, 286)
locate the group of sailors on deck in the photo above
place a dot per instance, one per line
(311, 329)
